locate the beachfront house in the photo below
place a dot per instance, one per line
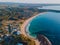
(12, 28)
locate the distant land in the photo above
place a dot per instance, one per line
(25, 4)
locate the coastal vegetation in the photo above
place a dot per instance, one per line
(11, 18)
(17, 39)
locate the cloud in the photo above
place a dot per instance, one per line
(32, 1)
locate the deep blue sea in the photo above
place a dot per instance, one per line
(47, 24)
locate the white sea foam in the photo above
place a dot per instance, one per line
(27, 28)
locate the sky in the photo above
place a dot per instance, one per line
(33, 1)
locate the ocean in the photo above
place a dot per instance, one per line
(47, 24)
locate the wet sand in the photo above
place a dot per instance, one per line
(24, 32)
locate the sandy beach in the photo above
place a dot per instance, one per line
(23, 29)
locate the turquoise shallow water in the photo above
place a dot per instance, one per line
(47, 24)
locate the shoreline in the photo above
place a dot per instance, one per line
(25, 32)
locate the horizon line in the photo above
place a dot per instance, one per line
(29, 3)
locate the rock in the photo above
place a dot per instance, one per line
(43, 40)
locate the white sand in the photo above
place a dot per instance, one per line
(23, 29)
